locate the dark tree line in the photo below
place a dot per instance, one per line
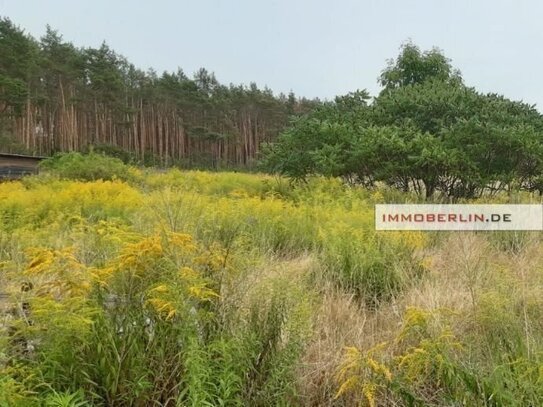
(426, 131)
(57, 97)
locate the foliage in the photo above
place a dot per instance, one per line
(113, 316)
(427, 363)
(197, 288)
(425, 132)
(111, 150)
(423, 369)
(87, 167)
(415, 67)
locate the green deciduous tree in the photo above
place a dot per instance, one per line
(426, 132)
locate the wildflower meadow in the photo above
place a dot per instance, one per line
(190, 288)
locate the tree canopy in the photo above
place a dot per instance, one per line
(426, 131)
(58, 97)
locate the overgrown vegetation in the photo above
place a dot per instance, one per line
(87, 167)
(196, 288)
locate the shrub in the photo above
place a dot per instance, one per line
(87, 167)
(112, 150)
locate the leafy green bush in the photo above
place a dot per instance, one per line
(112, 150)
(87, 167)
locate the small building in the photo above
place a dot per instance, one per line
(13, 166)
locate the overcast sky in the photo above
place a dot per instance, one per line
(317, 48)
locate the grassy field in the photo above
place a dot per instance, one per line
(231, 289)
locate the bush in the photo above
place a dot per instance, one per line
(111, 150)
(87, 167)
